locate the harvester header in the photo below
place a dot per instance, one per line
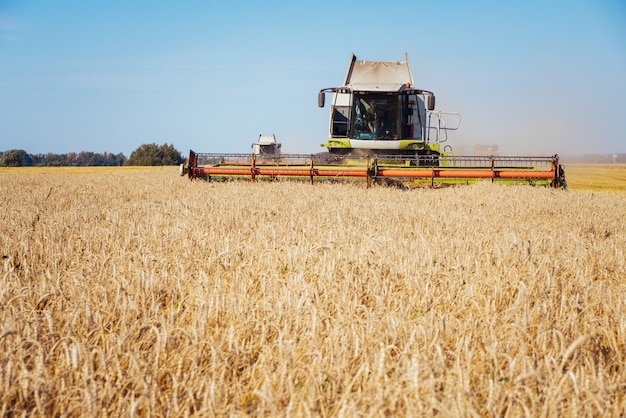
(466, 169)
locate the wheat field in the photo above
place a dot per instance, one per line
(607, 177)
(141, 293)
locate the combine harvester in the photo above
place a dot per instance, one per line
(381, 127)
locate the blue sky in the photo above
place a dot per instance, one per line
(534, 77)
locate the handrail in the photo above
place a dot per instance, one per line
(441, 124)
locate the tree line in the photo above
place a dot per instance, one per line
(146, 154)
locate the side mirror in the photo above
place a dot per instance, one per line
(431, 102)
(321, 98)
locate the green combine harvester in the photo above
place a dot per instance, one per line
(381, 126)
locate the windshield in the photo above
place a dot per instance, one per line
(375, 117)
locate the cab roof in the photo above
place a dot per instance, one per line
(379, 76)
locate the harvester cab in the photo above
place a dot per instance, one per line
(379, 110)
(266, 145)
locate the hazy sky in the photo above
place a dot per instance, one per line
(535, 76)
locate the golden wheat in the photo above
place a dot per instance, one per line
(596, 177)
(142, 293)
